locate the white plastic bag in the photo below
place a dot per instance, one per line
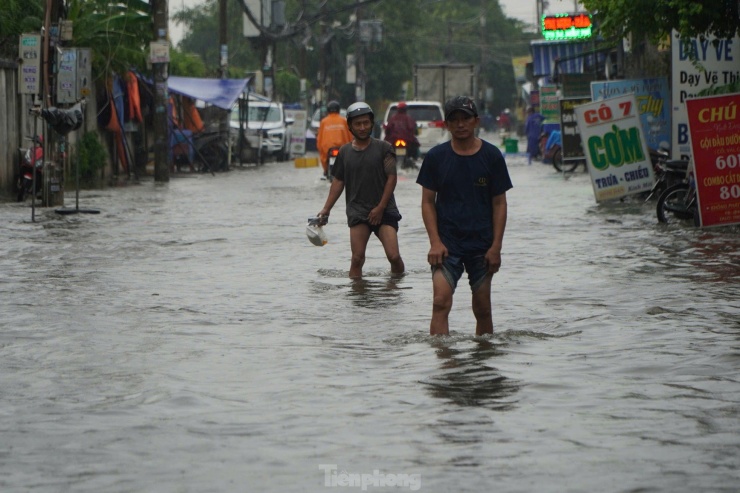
(316, 234)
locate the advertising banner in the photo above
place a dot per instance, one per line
(698, 64)
(653, 104)
(549, 106)
(29, 72)
(570, 135)
(297, 131)
(616, 151)
(714, 126)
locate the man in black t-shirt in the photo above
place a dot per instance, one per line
(464, 210)
(366, 167)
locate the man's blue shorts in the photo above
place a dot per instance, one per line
(453, 267)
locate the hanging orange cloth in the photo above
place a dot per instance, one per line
(173, 113)
(193, 122)
(134, 101)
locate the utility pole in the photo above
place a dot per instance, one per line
(360, 58)
(161, 96)
(223, 39)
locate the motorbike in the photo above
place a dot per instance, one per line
(679, 201)
(403, 159)
(30, 179)
(667, 172)
(333, 153)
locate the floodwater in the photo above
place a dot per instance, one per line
(189, 338)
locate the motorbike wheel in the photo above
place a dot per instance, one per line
(215, 156)
(22, 191)
(562, 166)
(675, 203)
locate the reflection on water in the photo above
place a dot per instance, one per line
(189, 338)
(468, 377)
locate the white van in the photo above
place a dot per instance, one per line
(266, 119)
(429, 117)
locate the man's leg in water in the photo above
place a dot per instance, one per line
(482, 307)
(441, 304)
(358, 238)
(389, 238)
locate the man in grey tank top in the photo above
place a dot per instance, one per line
(366, 168)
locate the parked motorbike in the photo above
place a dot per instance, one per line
(403, 159)
(667, 172)
(679, 201)
(30, 179)
(333, 153)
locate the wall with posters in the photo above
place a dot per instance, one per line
(714, 126)
(653, 104)
(616, 152)
(718, 65)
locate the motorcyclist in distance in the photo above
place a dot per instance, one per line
(333, 132)
(402, 126)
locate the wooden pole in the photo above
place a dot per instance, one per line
(161, 97)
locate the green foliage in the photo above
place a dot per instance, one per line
(118, 33)
(18, 17)
(288, 84)
(321, 34)
(91, 156)
(656, 18)
(202, 38)
(186, 64)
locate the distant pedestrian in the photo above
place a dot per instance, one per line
(401, 126)
(533, 130)
(366, 167)
(333, 132)
(464, 210)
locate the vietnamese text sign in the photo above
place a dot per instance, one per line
(29, 72)
(653, 104)
(549, 106)
(714, 124)
(616, 151)
(695, 65)
(67, 76)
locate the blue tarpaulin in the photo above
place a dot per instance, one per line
(545, 53)
(218, 92)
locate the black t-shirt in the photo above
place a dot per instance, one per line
(364, 174)
(465, 187)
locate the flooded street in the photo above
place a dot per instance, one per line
(189, 338)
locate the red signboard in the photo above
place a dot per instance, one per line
(566, 26)
(714, 126)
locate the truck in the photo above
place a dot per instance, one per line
(442, 81)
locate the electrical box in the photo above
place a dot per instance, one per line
(74, 76)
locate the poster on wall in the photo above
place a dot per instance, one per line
(616, 151)
(297, 131)
(653, 104)
(698, 64)
(549, 106)
(714, 127)
(570, 135)
(29, 71)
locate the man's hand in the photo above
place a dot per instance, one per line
(376, 215)
(437, 254)
(493, 260)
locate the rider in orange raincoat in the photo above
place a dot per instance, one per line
(333, 132)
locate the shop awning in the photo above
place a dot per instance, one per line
(218, 92)
(546, 53)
